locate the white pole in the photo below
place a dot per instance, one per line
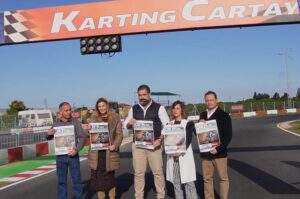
(287, 77)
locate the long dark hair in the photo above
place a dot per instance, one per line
(182, 106)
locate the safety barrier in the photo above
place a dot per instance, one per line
(27, 152)
(17, 140)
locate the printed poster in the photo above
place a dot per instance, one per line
(175, 139)
(144, 134)
(99, 136)
(64, 139)
(207, 135)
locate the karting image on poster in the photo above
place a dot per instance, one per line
(64, 139)
(175, 139)
(144, 134)
(99, 136)
(207, 135)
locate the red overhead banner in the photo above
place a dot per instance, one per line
(140, 16)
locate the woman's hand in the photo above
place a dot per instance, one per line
(112, 147)
(176, 154)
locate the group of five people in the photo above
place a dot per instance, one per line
(180, 167)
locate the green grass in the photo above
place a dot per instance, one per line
(84, 150)
(295, 127)
(17, 167)
(27, 165)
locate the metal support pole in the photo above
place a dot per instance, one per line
(287, 80)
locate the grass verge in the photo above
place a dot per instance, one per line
(295, 127)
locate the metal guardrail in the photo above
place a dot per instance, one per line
(16, 140)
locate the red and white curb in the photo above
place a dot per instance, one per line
(39, 171)
(28, 175)
(284, 125)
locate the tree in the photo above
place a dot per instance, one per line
(298, 93)
(16, 106)
(285, 96)
(276, 96)
(266, 96)
(259, 96)
(79, 109)
(255, 95)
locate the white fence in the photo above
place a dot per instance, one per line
(15, 140)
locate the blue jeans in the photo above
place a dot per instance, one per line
(63, 162)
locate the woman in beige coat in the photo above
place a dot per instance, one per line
(103, 163)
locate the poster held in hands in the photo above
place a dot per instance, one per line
(207, 135)
(64, 139)
(144, 134)
(99, 136)
(174, 139)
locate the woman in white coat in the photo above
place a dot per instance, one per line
(181, 166)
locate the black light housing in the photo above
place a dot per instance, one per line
(100, 44)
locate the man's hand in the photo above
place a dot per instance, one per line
(51, 131)
(72, 151)
(157, 143)
(131, 122)
(202, 120)
(213, 151)
(87, 127)
(112, 147)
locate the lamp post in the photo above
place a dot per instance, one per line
(285, 54)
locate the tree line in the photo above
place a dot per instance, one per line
(16, 105)
(276, 96)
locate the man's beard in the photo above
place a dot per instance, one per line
(144, 102)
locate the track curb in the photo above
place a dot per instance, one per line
(279, 126)
(24, 176)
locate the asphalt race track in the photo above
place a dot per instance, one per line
(264, 163)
